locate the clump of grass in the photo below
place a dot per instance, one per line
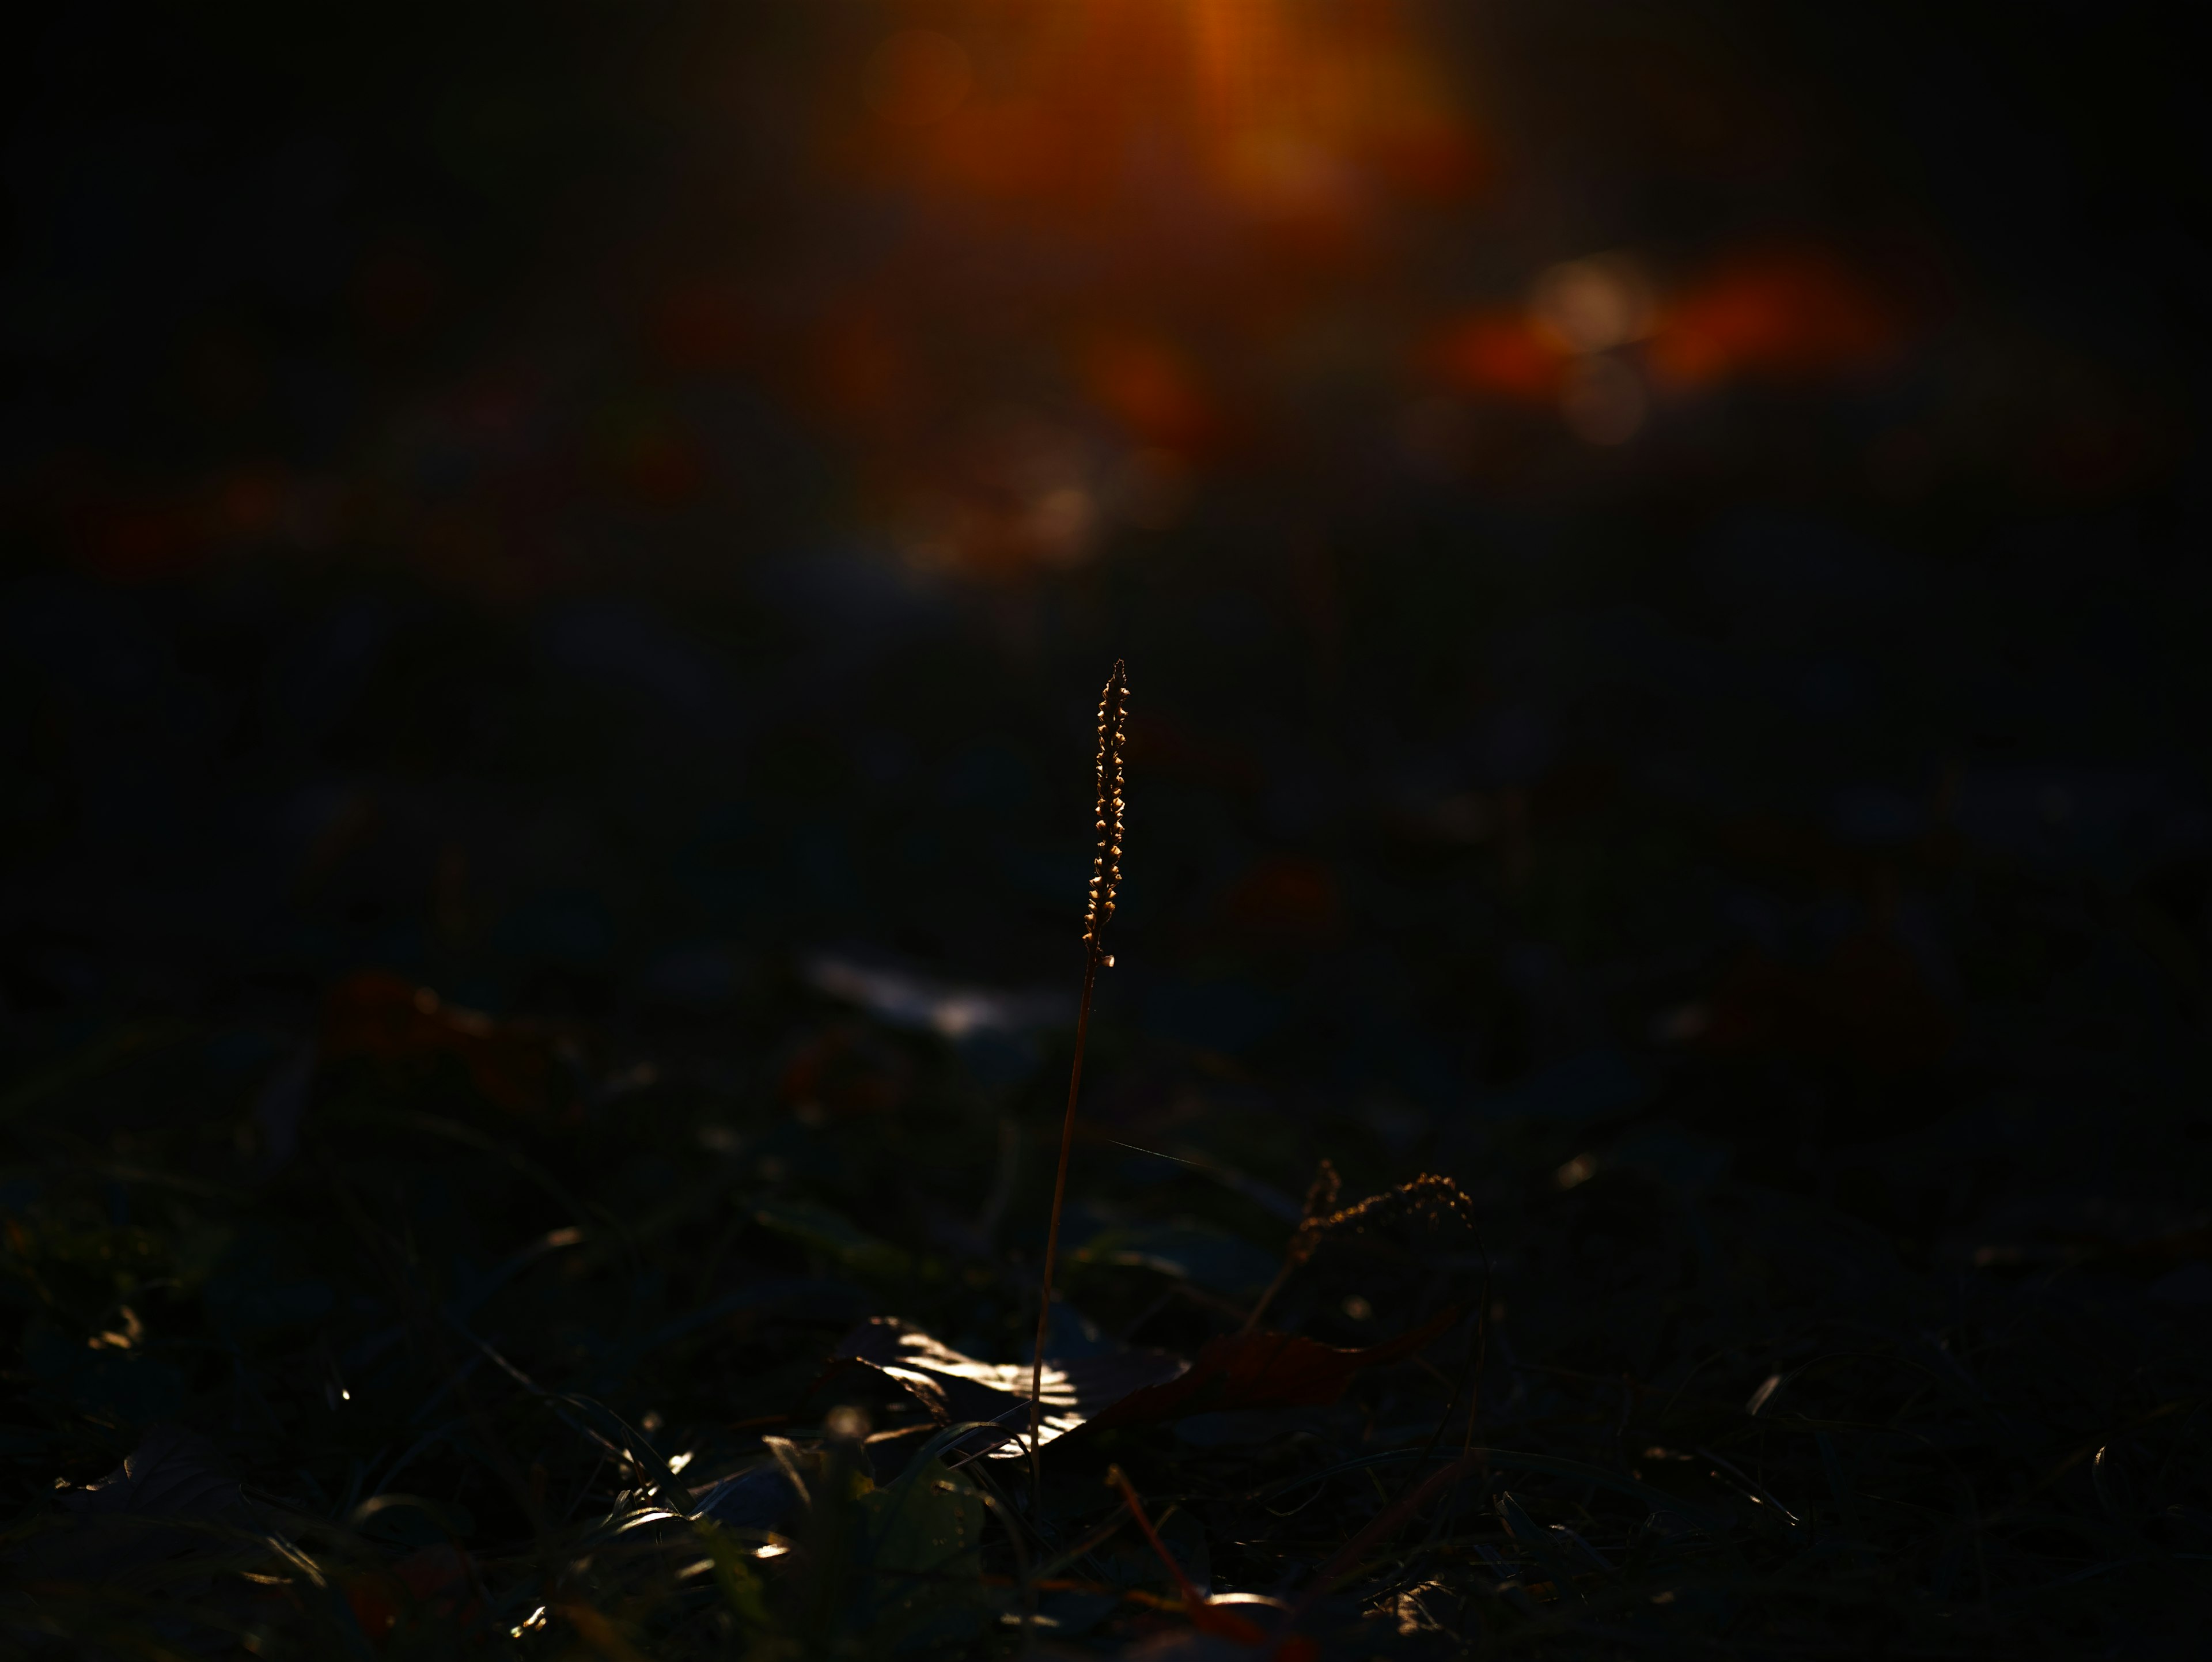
(1105, 881)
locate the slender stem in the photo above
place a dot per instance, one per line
(1119, 1479)
(1052, 1235)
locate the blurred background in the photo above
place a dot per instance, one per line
(1659, 550)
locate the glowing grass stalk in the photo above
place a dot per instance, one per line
(1105, 879)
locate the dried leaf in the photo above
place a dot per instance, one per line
(1266, 1370)
(956, 1388)
(1127, 1387)
(174, 1474)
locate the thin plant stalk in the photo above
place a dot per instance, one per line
(1105, 879)
(1052, 1234)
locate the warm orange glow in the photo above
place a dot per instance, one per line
(1596, 335)
(1275, 111)
(1294, 104)
(918, 77)
(1121, 210)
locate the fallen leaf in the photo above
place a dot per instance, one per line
(956, 1388)
(1266, 1370)
(172, 1475)
(1126, 1387)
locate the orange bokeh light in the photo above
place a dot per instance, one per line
(1153, 389)
(1294, 114)
(1786, 313)
(1113, 215)
(1500, 353)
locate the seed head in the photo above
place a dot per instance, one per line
(1113, 738)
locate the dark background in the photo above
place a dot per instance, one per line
(574, 506)
(556, 567)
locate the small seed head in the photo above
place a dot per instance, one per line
(1106, 864)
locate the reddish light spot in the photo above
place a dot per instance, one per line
(137, 542)
(1788, 315)
(1435, 160)
(1500, 354)
(1266, 1370)
(1151, 389)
